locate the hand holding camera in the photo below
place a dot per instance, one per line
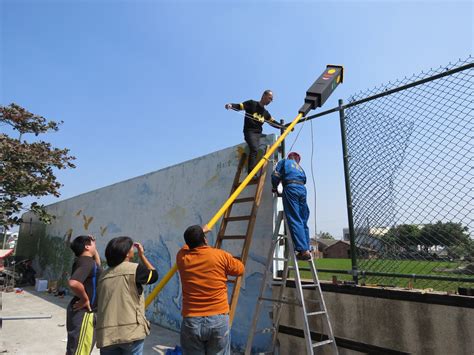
(139, 248)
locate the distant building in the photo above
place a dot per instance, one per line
(330, 248)
(367, 238)
(341, 249)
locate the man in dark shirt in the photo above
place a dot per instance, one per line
(255, 116)
(80, 311)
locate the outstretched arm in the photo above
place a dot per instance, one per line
(274, 123)
(237, 107)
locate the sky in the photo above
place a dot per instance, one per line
(141, 85)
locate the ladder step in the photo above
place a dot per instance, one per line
(309, 285)
(254, 181)
(244, 199)
(238, 218)
(233, 237)
(280, 259)
(315, 313)
(277, 283)
(321, 343)
(251, 182)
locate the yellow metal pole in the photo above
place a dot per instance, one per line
(161, 284)
(226, 205)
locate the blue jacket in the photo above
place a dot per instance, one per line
(287, 171)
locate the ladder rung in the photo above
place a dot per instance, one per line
(321, 343)
(244, 199)
(233, 237)
(280, 259)
(238, 218)
(265, 330)
(251, 182)
(277, 283)
(315, 313)
(309, 285)
(254, 181)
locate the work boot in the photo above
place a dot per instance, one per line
(303, 255)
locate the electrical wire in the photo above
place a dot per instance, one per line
(314, 182)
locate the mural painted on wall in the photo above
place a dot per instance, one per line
(155, 209)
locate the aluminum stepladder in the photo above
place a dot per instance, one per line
(290, 263)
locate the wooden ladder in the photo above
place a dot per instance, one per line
(251, 218)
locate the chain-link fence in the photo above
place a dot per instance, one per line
(410, 169)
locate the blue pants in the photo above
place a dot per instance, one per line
(206, 335)
(133, 348)
(297, 214)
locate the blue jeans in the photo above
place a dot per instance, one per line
(133, 348)
(206, 335)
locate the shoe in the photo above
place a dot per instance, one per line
(303, 255)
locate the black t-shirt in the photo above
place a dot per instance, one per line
(143, 276)
(86, 271)
(255, 115)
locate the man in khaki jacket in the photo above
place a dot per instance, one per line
(121, 323)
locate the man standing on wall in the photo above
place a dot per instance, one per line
(81, 310)
(292, 176)
(255, 116)
(203, 271)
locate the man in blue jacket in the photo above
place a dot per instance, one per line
(292, 176)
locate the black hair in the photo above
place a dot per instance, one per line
(79, 243)
(117, 249)
(194, 236)
(266, 92)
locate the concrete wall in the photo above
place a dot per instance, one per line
(155, 209)
(398, 325)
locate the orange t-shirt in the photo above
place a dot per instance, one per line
(203, 271)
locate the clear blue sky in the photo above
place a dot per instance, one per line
(141, 85)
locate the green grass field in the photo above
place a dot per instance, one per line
(419, 267)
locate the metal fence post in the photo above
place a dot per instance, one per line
(282, 146)
(348, 191)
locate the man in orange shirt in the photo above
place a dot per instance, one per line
(203, 271)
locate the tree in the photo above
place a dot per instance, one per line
(444, 234)
(325, 235)
(402, 237)
(27, 168)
